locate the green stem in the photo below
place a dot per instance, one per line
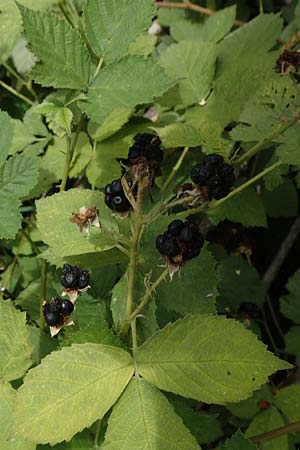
(69, 155)
(34, 247)
(16, 93)
(261, 6)
(24, 83)
(97, 434)
(261, 144)
(268, 331)
(136, 235)
(43, 293)
(175, 169)
(134, 336)
(290, 428)
(147, 297)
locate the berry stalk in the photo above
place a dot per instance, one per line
(134, 251)
(69, 155)
(260, 145)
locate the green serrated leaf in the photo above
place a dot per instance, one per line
(244, 63)
(125, 84)
(193, 63)
(143, 45)
(239, 283)
(7, 406)
(6, 135)
(112, 25)
(194, 289)
(282, 201)
(245, 208)
(11, 26)
(246, 409)
(213, 29)
(81, 441)
(22, 136)
(63, 236)
(111, 124)
(226, 364)
(63, 58)
(289, 304)
(265, 421)
(59, 117)
(206, 427)
(82, 155)
(287, 401)
(292, 339)
(10, 217)
(143, 427)
(91, 325)
(238, 442)
(15, 349)
(89, 374)
(18, 176)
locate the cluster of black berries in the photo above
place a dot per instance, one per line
(74, 278)
(181, 242)
(115, 197)
(143, 160)
(215, 175)
(146, 146)
(57, 311)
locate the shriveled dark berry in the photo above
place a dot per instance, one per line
(171, 248)
(160, 243)
(134, 153)
(219, 192)
(83, 279)
(70, 280)
(214, 159)
(66, 307)
(155, 154)
(175, 227)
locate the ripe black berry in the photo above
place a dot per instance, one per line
(70, 280)
(66, 269)
(83, 279)
(146, 145)
(187, 235)
(51, 315)
(52, 318)
(214, 159)
(217, 176)
(134, 152)
(201, 173)
(171, 248)
(175, 227)
(115, 197)
(160, 243)
(66, 307)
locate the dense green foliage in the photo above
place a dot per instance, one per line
(172, 352)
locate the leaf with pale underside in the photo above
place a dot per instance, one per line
(84, 378)
(15, 349)
(143, 428)
(208, 358)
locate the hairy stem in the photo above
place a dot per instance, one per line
(135, 242)
(69, 155)
(261, 144)
(43, 293)
(175, 169)
(193, 7)
(16, 93)
(147, 297)
(26, 84)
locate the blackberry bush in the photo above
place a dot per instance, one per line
(149, 187)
